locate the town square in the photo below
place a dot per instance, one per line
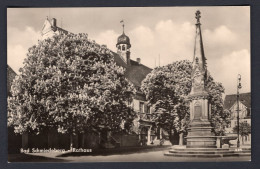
(143, 84)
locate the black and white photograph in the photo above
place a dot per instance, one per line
(129, 84)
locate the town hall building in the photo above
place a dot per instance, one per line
(145, 131)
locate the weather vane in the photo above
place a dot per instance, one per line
(197, 16)
(123, 25)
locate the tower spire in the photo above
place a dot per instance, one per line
(197, 16)
(123, 45)
(123, 25)
(199, 68)
(199, 56)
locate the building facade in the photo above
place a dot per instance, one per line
(144, 129)
(230, 104)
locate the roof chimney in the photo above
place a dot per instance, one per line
(138, 60)
(54, 22)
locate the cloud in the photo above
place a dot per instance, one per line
(108, 37)
(26, 36)
(143, 36)
(18, 42)
(172, 41)
(226, 70)
(227, 57)
(220, 36)
(221, 40)
(178, 37)
(16, 55)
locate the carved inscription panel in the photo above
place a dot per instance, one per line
(197, 112)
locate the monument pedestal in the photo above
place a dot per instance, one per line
(200, 135)
(200, 131)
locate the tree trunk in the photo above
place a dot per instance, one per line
(25, 138)
(49, 139)
(170, 134)
(71, 142)
(99, 138)
(181, 139)
(160, 133)
(83, 140)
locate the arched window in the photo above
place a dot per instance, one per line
(119, 47)
(123, 48)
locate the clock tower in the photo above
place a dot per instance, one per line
(123, 46)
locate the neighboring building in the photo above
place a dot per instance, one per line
(10, 77)
(230, 103)
(50, 29)
(14, 140)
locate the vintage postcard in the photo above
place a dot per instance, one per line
(129, 84)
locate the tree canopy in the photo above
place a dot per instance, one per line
(166, 89)
(70, 84)
(244, 128)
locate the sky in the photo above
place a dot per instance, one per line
(155, 32)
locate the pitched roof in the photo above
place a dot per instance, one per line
(48, 27)
(10, 77)
(135, 72)
(244, 98)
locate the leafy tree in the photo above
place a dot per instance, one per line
(220, 118)
(167, 88)
(244, 129)
(69, 84)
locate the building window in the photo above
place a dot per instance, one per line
(123, 48)
(148, 110)
(119, 47)
(141, 107)
(248, 112)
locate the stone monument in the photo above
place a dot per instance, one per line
(200, 133)
(201, 141)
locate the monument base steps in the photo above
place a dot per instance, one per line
(206, 152)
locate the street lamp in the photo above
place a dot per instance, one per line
(238, 87)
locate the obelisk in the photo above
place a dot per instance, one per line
(200, 133)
